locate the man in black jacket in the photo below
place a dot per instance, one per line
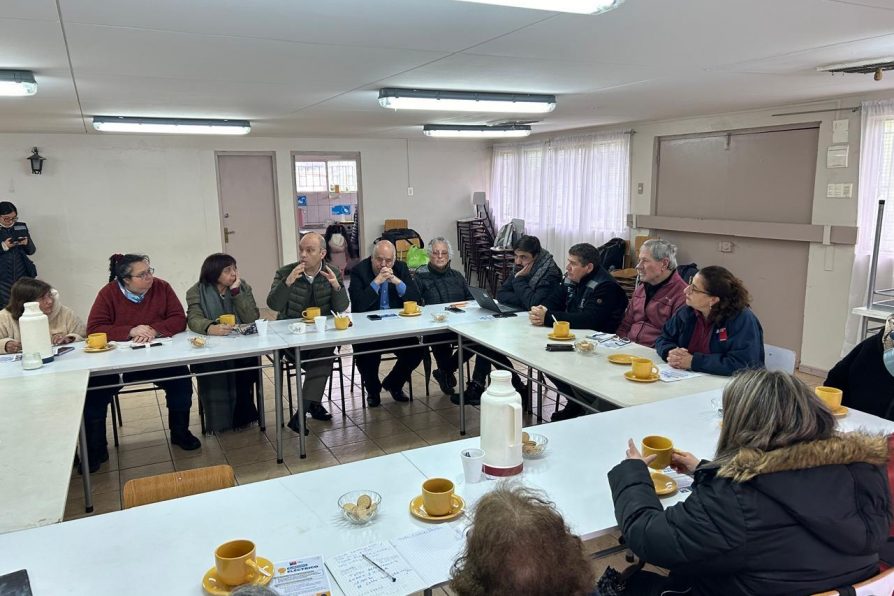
(380, 282)
(588, 298)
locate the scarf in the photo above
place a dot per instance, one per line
(888, 345)
(213, 304)
(135, 298)
(541, 267)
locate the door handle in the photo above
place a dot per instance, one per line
(227, 233)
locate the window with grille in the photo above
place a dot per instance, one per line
(322, 176)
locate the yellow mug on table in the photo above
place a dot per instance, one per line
(342, 323)
(437, 496)
(97, 341)
(227, 320)
(561, 329)
(410, 307)
(831, 396)
(660, 446)
(310, 313)
(236, 562)
(643, 368)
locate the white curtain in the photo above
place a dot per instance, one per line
(876, 182)
(568, 190)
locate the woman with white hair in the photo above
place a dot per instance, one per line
(439, 284)
(866, 374)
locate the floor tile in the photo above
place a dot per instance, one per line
(400, 442)
(133, 458)
(250, 454)
(356, 451)
(265, 470)
(342, 436)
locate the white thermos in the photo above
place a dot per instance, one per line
(34, 327)
(501, 426)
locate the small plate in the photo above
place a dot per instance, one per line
(417, 509)
(840, 412)
(568, 337)
(418, 313)
(214, 586)
(664, 484)
(109, 346)
(621, 359)
(629, 376)
(308, 321)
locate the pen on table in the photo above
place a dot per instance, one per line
(379, 567)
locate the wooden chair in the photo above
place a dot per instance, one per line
(163, 487)
(626, 278)
(880, 585)
(395, 224)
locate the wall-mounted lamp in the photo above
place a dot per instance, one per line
(36, 160)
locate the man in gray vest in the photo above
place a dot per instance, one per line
(296, 287)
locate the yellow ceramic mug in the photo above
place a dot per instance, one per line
(561, 329)
(227, 320)
(410, 307)
(643, 368)
(97, 341)
(660, 446)
(342, 323)
(437, 496)
(831, 396)
(310, 313)
(236, 562)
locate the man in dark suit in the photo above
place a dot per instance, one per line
(377, 283)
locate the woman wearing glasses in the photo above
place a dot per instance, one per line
(715, 332)
(15, 248)
(136, 306)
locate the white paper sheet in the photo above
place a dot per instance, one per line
(356, 576)
(301, 577)
(431, 552)
(669, 374)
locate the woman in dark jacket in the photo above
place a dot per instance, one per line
(439, 284)
(715, 332)
(227, 399)
(787, 506)
(16, 246)
(866, 374)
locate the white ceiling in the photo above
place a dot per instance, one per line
(314, 67)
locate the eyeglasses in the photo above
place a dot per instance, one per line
(9, 218)
(145, 274)
(692, 288)
(440, 253)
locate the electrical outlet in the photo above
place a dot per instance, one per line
(409, 191)
(726, 246)
(639, 188)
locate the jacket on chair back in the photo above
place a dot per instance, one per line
(796, 520)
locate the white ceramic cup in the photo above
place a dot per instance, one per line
(298, 327)
(320, 322)
(261, 326)
(473, 459)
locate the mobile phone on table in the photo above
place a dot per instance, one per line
(374, 317)
(64, 350)
(454, 309)
(559, 348)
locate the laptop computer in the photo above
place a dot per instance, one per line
(488, 303)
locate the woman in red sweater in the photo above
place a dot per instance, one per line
(138, 307)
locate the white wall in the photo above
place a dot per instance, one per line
(102, 194)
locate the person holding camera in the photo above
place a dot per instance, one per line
(15, 248)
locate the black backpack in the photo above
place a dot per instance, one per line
(403, 239)
(611, 254)
(687, 272)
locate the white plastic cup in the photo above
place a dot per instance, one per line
(261, 326)
(473, 460)
(320, 322)
(298, 327)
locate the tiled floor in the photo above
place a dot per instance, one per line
(145, 449)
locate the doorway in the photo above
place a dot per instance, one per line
(248, 211)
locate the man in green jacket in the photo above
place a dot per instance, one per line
(296, 287)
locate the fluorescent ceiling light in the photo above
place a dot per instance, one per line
(459, 131)
(181, 126)
(577, 6)
(465, 101)
(16, 83)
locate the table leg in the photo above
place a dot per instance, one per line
(302, 420)
(85, 467)
(462, 384)
(262, 419)
(277, 403)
